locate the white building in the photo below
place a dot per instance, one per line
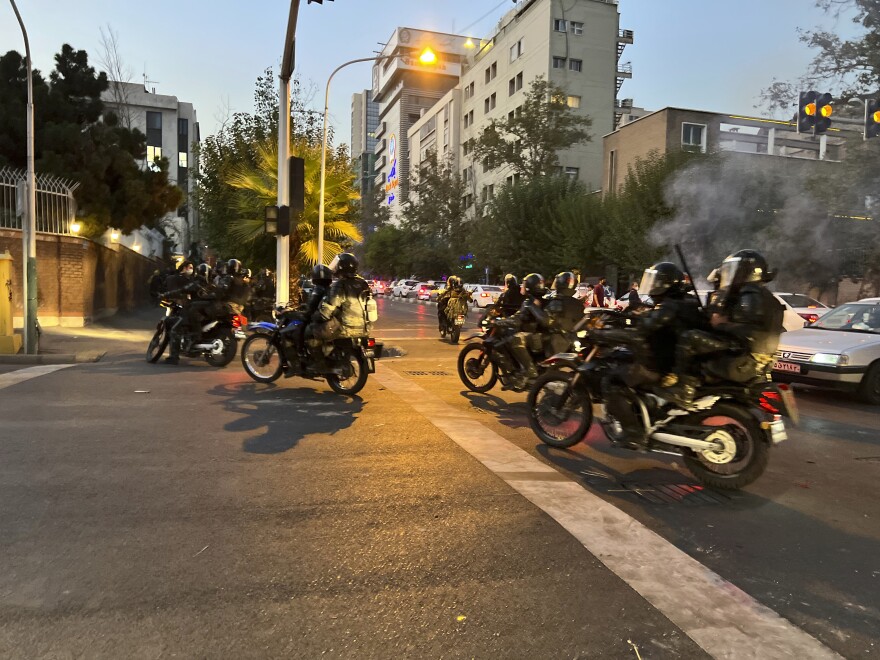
(172, 129)
(405, 89)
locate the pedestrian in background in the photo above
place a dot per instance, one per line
(600, 298)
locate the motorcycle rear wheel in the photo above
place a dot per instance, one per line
(230, 348)
(752, 449)
(261, 358)
(557, 426)
(355, 382)
(454, 334)
(157, 345)
(473, 363)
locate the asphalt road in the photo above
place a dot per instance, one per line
(156, 511)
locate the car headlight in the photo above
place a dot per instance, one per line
(830, 358)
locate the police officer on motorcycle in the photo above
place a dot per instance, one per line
(564, 313)
(232, 287)
(511, 299)
(531, 318)
(200, 304)
(455, 294)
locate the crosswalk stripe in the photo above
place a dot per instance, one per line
(22, 375)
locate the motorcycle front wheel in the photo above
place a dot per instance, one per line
(230, 348)
(261, 358)
(476, 369)
(745, 451)
(559, 416)
(353, 379)
(157, 345)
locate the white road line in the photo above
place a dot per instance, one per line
(21, 375)
(724, 620)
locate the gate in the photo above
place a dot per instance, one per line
(56, 206)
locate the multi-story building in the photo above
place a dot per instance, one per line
(364, 121)
(681, 129)
(172, 129)
(576, 45)
(438, 131)
(405, 89)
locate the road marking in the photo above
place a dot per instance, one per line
(20, 376)
(724, 620)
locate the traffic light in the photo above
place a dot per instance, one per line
(872, 118)
(284, 221)
(823, 114)
(297, 181)
(806, 115)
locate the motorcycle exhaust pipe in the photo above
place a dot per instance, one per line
(684, 441)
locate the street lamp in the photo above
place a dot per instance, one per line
(427, 57)
(29, 218)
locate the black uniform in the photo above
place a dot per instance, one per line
(564, 313)
(510, 301)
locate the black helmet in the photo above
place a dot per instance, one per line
(565, 283)
(246, 273)
(661, 279)
(204, 272)
(344, 263)
(233, 267)
(322, 275)
(534, 284)
(220, 268)
(265, 273)
(744, 266)
(510, 281)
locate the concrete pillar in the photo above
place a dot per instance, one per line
(9, 341)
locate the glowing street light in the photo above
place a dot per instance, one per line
(426, 58)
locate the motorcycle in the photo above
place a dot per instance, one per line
(217, 340)
(481, 364)
(452, 320)
(724, 437)
(271, 351)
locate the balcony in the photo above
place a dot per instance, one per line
(380, 146)
(380, 129)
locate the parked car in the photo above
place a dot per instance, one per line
(378, 287)
(807, 308)
(404, 288)
(840, 350)
(485, 294)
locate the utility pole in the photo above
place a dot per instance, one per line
(282, 245)
(28, 218)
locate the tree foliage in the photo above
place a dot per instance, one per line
(238, 178)
(529, 141)
(75, 137)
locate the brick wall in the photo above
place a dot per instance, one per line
(79, 280)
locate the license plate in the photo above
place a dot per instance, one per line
(789, 367)
(369, 353)
(459, 320)
(777, 432)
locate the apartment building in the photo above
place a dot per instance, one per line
(576, 44)
(683, 129)
(364, 121)
(405, 89)
(172, 130)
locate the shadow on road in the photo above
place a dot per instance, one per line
(512, 415)
(276, 418)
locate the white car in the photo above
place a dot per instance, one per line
(485, 294)
(791, 320)
(840, 350)
(807, 308)
(404, 288)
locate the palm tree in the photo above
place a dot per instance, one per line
(258, 186)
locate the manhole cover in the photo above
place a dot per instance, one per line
(426, 373)
(686, 494)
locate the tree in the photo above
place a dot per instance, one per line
(528, 142)
(76, 138)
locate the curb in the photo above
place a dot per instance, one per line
(54, 358)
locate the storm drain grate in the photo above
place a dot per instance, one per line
(427, 373)
(686, 494)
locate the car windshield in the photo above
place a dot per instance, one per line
(492, 288)
(852, 317)
(799, 300)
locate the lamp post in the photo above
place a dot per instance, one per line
(28, 219)
(427, 57)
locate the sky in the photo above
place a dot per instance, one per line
(701, 54)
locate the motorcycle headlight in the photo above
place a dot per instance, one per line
(830, 359)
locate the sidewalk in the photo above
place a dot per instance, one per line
(91, 343)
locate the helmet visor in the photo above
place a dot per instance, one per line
(729, 272)
(649, 280)
(334, 265)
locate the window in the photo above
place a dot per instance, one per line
(575, 65)
(693, 137)
(515, 84)
(467, 147)
(510, 116)
(468, 118)
(491, 190)
(153, 153)
(154, 120)
(577, 28)
(181, 159)
(573, 101)
(468, 201)
(154, 130)
(513, 179)
(560, 25)
(486, 106)
(490, 103)
(572, 172)
(468, 91)
(558, 62)
(612, 170)
(519, 81)
(491, 72)
(516, 50)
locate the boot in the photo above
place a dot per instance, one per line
(682, 392)
(173, 349)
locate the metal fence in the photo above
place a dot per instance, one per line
(56, 206)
